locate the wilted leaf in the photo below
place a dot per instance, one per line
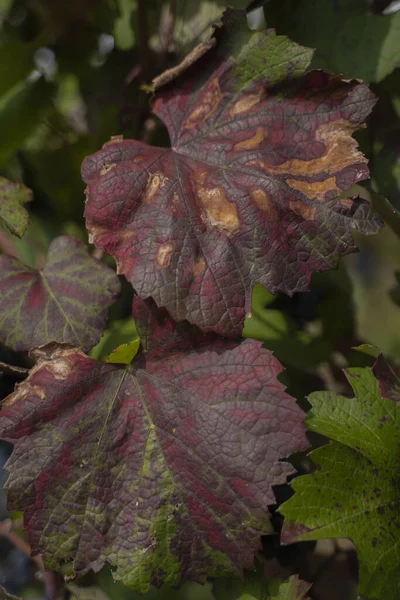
(67, 301)
(163, 468)
(248, 191)
(354, 493)
(12, 198)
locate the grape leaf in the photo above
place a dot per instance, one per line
(293, 589)
(67, 301)
(163, 468)
(248, 191)
(354, 492)
(256, 586)
(364, 45)
(13, 196)
(119, 333)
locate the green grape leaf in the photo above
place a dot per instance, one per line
(293, 589)
(364, 45)
(13, 196)
(116, 335)
(355, 491)
(125, 353)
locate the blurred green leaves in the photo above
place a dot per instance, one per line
(348, 38)
(292, 345)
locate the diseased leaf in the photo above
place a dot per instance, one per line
(248, 191)
(13, 196)
(163, 468)
(67, 301)
(354, 492)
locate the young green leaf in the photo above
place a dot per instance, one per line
(13, 196)
(293, 589)
(67, 301)
(355, 491)
(249, 190)
(163, 468)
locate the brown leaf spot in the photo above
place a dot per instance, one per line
(199, 267)
(209, 101)
(138, 159)
(252, 142)
(220, 212)
(175, 201)
(164, 255)
(341, 151)
(302, 210)
(107, 167)
(315, 189)
(114, 139)
(264, 202)
(247, 102)
(154, 183)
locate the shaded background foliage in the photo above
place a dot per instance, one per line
(72, 74)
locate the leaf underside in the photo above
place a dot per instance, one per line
(249, 190)
(163, 468)
(67, 301)
(355, 492)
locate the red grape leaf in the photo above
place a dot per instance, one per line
(163, 468)
(248, 191)
(67, 301)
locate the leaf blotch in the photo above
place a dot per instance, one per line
(247, 102)
(164, 255)
(302, 210)
(252, 142)
(154, 183)
(314, 189)
(264, 202)
(199, 267)
(340, 151)
(219, 211)
(208, 104)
